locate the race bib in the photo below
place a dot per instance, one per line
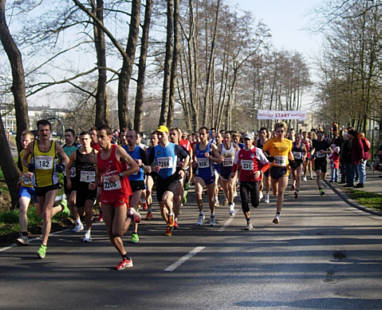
(27, 180)
(203, 162)
(280, 160)
(320, 154)
(73, 172)
(228, 162)
(111, 186)
(297, 155)
(247, 165)
(44, 162)
(87, 176)
(164, 162)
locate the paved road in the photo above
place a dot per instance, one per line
(323, 255)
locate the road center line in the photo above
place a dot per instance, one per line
(185, 258)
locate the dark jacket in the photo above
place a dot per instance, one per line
(345, 153)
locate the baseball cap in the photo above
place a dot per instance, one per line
(248, 136)
(162, 128)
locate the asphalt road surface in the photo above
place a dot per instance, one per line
(324, 254)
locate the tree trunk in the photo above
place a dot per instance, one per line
(127, 67)
(167, 63)
(174, 65)
(142, 68)
(18, 84)
(8, 165)
(209, 68)
(101, 117)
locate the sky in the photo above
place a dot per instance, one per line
(288, 21)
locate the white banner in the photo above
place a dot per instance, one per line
(276, 115)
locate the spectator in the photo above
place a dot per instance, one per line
(347, 169)
(358, 158)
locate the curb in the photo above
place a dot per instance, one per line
(352, 203)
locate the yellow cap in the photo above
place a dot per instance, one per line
(162, 128)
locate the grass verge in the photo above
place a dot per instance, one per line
(370, 200)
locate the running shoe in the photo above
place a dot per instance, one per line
(304, 179)
(100, 218)
(87, 238)
(322, 193)
(212, 220)
(200, 219)
(135, 214)
(168, 231)
(249, 226)
(134, 238)
(171, 221)
(266, 199)
(65, 210)
(296, 194)
(22, 240)
(261, 196)
(231, 209)
(124, 264)
(176, 226)
(78, 227)
(276, 220)
(184, 198)
(144, 207)
(41, 252)
(217, 203)
(149, 216)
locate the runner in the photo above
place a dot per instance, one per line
(150, 177)
(205, 153)
(70, 147)
(95, 145)
(228, 150)
(170, 176)
(251, 163)
(187, 145)
(27, 193)
(137, 180)
(175, 134)
(84, 186)
(114, 166)
(263, 137)
(45, 167)
(280, 152)
(320, 152)
(217, 165)
(299, 154)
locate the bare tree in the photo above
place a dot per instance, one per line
(167, 62)
(18, 84)
(142, 67)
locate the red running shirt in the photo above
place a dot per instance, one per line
(248, 162)
(117, 193)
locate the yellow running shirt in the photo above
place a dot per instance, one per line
(26, 181)
(45, 166)
(279, 150)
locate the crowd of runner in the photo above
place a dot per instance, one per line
(116, 171)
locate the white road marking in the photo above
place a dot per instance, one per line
(185, 258)
(227, 223)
